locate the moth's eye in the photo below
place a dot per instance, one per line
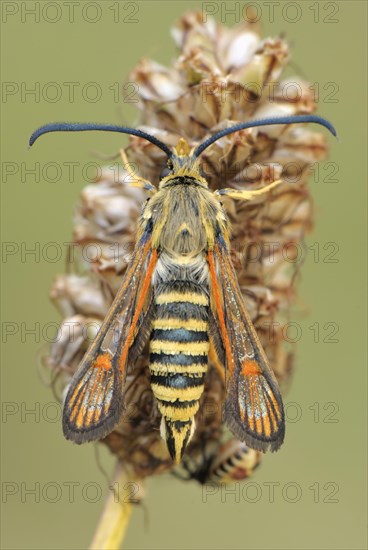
(167, 170)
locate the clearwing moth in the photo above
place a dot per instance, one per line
(180, 292)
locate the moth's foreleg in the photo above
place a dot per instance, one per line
(137, 181)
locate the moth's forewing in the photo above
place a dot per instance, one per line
(94, 402)
(253, 405)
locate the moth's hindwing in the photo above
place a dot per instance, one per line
(94, 402)
(253, 405)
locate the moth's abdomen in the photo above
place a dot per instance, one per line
(178, 359)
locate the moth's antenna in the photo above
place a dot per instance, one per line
(264, 122)
(82, 127)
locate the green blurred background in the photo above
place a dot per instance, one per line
(325, 459)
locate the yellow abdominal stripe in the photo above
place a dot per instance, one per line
(168, 368)
(178, 413)
(192, 324)
(190, 297)
(174, 348)
(165, 393)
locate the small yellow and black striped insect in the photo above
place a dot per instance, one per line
(181, 293)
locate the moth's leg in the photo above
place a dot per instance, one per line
(137, 180)
(247, 194)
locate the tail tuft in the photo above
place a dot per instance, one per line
(177, 435)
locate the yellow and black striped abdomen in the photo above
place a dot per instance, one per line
(178, 359)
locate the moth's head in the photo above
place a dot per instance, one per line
(182, 162)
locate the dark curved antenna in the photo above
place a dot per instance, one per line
(264, 122)
(82, 127)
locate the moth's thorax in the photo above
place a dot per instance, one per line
(185, 217)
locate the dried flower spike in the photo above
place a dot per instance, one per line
(221, 77)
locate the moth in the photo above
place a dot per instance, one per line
(180, 292)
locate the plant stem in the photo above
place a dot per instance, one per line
(115, 517)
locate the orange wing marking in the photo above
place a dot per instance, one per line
(250, 367)
(220, 312)
(103, 362)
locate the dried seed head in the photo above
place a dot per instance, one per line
(221, 76)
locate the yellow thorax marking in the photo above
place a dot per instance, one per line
(182, 149)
